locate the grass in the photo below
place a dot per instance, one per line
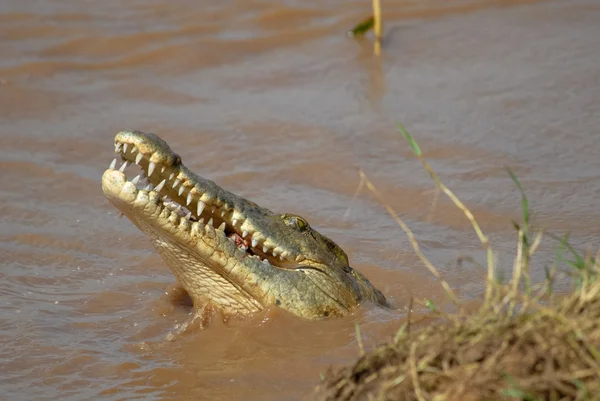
(524, 342)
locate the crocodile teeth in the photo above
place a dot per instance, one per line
(214, 208)
(222, 226)
(162, 169)
(201, 206)
(210, 222)
(178, 208)
(195, 228)
(134, 149)
(151, 166)
(234, 222)
(189, 199)
(135, 180)
(138, 158)
(266, 262)
(201, 221)
(123, 167)
(160, 186)
(148, 187)
(280, 257)
(113, 164)
(124, 148)
(223, 213)
(118, 148)
(265, 249)
(175, 183)
(254, 243)
(188, 216)
(171, 176)
(275, 253)
(180, 190)
(244, 234)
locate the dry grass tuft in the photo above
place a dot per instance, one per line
(524, 342)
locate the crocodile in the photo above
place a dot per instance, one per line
(226, 252)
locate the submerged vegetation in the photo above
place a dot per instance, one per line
(524, 342)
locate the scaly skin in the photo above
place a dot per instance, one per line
(225, 251)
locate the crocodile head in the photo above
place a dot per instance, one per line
(225, 250)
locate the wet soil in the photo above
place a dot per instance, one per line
(272, 101)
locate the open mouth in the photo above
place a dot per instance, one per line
(181, 201)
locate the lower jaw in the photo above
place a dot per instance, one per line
(201, 280)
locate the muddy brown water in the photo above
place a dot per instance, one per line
(272, 101)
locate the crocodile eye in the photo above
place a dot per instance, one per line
(295, 222)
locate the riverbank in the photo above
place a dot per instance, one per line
(525, 341)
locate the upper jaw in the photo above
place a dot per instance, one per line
(201, 200)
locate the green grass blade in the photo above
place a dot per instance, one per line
(524, 201)
(413, 144)
(579, 262)
(363, 27)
